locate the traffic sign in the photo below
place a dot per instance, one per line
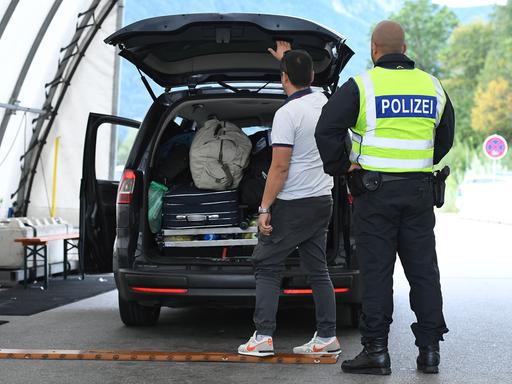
(495, 147)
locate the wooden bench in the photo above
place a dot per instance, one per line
(37, 247)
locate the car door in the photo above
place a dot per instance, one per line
(98, 189)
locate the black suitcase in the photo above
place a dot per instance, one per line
(252, 185)
(189, 207)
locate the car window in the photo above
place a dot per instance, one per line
(113, 146)
(252, 130)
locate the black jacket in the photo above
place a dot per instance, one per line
(341, 112)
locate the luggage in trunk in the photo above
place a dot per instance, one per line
(189, 207)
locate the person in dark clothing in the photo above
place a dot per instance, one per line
(402, 123)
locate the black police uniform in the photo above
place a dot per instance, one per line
(397, 217)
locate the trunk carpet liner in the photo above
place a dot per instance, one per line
(16, 301)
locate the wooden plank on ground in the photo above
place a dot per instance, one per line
(104, 355)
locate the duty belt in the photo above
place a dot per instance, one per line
(387, 177)
(361, 181)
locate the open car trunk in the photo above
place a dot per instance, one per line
(233, 244)
(179, 50)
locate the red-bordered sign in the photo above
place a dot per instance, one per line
(495, 147)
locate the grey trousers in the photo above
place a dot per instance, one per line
(302, 224)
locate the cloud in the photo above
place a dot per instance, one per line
(468, 3)
(340, 8)
(390, 5)
(358, 7)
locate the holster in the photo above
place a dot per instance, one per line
(439, 185)
(361, 181)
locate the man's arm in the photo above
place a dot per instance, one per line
(444, 132)
(283, 132)
(338, 115)
(277, 175)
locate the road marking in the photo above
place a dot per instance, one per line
(56, 354)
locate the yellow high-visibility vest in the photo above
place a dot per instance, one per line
(399, 111)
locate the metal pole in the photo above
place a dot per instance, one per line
(16, 107)
(7, 15)
(54, 184)
(115, 95)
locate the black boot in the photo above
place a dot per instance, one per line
(428, 359)
(373, 360)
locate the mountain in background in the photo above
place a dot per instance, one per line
(351, 18)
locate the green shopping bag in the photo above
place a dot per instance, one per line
(156, 195)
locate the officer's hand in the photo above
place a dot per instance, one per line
(264, 224)
(353, 167)
(282, 47)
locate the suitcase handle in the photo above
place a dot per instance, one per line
(197, 218)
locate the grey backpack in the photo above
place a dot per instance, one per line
(218, 156)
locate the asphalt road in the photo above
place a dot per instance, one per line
(475, 262)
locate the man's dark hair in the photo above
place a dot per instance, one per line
(297, 64)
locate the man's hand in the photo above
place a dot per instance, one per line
(282, 47)
(264, 224)
(353, 167)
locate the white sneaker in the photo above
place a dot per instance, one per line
(262, 348)
(317, 347)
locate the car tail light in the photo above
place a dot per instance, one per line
(126, 187)
(159, 290)
(310, 291)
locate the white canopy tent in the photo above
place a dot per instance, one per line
(55, 69)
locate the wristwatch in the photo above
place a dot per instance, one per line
(263, 210)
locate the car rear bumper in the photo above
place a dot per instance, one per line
(188, 288)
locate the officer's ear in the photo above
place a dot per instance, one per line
(312, 76)
(404, 49)
(374, 50)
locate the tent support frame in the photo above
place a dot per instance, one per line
(85, 31)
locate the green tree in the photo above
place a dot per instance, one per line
(499, 60)
(124, 147)
(492, 112)
(427, 28)
(463, 61)
(466, 53)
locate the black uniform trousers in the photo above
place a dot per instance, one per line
(399, 217)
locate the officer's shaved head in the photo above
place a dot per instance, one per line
(387, 37)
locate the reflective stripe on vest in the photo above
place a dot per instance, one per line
(399, 111)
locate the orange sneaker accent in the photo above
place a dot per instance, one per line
(315, 349)
(251, 348)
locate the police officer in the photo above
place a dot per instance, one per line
(402, 123)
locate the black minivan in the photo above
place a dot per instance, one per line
(208, 65)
